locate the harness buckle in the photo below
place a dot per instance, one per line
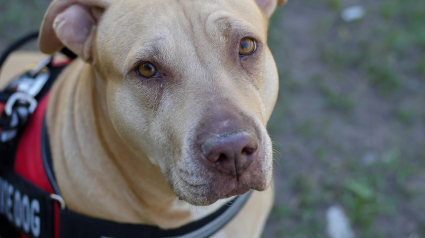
(22, 97)
(33, 81)
(40, 66)
(22, 90)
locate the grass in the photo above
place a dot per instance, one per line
(406, 117)
(381, 61)
(420, 67)
(20, 17)
(337, 101)
(363, 193)
(335, 5)
(370, 62)
(383, 78)
(307, 198)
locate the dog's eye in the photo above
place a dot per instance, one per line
(146, 70)
(247, 46)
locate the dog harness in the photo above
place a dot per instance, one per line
(30, 201)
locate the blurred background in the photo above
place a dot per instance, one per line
(349, 125)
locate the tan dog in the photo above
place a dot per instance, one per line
(165, 109)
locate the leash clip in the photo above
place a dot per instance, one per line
(33, 81)
(23, 97)
(40, 66)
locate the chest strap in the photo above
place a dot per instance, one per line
(30, 210)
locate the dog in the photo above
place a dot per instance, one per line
(162, 118)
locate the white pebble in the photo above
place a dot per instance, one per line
(353, 13)
(338, 223)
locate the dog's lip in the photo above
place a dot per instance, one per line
(237, 191)
(233, 187)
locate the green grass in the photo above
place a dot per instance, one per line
(387, 58)
(363, 194)
(406, 117)
(20, 17)
(420, 67)
(383, 78)
(337, 101)
(389, 9)
(308, 198)
(335, 5)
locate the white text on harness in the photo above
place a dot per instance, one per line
(19, 208)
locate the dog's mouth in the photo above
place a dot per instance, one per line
(201, 184)
(227, 153)
(221, 187)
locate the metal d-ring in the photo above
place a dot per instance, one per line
(58, 199)
(21, 97)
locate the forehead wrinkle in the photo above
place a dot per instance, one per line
(153, 49)
(224, 25)
(157, 42)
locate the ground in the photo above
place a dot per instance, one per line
(349, 126)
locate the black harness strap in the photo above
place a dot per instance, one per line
(28, 208)
(24, 207)
(6, 230)
(74, 225)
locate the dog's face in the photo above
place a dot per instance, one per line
(190, 84)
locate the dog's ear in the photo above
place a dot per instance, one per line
(71, 24)
(268, 6)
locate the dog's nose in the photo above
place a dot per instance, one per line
(231, 154)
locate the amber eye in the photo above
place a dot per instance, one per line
(247, 46)
(146, 70)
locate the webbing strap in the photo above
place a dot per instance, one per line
(25, 206)
(74, 225)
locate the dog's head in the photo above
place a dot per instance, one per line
(190, 84)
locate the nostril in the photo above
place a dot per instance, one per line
(222, 157)
(249, 150)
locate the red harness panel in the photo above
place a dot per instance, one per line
(28, 160)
